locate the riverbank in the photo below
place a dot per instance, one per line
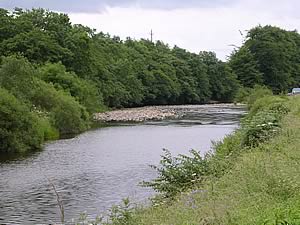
(156, 112)
(103, 166)
(253, 177)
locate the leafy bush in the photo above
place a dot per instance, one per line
(273, 103)
(242, 95)
(16, 76)
(50, 132)
(69, 117)
(176, 174)
(257, 93)
(65, 113)
(82, 90)
(263, 120)
(19, 128)
(121, 214)
(45, 96)
(260, 128)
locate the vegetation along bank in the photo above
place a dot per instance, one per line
(54, 75)
(251, 177)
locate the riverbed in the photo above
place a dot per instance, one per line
(99, 168)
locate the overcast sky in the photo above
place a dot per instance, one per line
(211, 25)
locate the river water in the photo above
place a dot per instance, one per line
(99, 168)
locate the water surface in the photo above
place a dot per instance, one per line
(99, 168)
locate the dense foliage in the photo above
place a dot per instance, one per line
(124, 73)
(19, 128)
(269, 56)
(54, 75)
(64, 72)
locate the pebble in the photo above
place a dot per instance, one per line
(136, 114)
(146, 113)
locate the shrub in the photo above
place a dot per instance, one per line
(16, 76)
(50, 132)
(69, 117)
(176, 174)
(242, 95)
(65, 113)
(121, 214)
(19, 128)
(260, 128)
(82, 90)
(44, 97)
(257, 93)
(273, 103)
(263, 120)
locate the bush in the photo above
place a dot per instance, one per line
(50, 132)
(263, 120)
(242, 95)
(65, 113)
(69, 117)
(60, 111)
(16, 76)
(260, 128)
(45, 97)
(256, 93)
(273, 103)
(82, 90)
(176, 174)
(19, 128)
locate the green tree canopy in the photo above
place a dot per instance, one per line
(269, 53)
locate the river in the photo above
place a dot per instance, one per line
(99, 168)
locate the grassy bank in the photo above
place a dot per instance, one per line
(253, 177)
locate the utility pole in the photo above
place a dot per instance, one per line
(151, 35)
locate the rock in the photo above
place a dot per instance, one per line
(157, 112)
(136, 114)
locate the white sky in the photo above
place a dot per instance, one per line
(210, 25)
(196, 29)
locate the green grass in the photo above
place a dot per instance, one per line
(259, 185)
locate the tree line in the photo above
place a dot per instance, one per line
(54, 74)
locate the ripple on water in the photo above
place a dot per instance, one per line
(100, 167)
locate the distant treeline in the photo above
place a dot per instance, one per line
(54, 75)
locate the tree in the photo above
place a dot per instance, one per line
(276, 52)
(246, 67)
(19, 128)
(223, 82)
(199, 72)
(84, 91)
(16, 75)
